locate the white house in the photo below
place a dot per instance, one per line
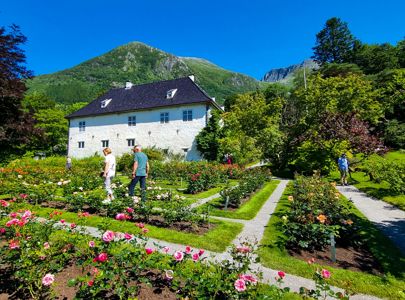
(166, 114)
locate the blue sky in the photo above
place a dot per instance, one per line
(250, 37)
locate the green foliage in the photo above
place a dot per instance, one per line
(343, 69)
(334, 43)
(395, 134)
(373, 59)
(208, 138)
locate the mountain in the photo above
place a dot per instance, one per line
(285, 75)
(138, 63)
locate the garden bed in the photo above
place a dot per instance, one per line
(385, 279)
(250, 205)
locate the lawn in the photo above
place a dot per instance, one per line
(248, 210)
(377, 190)
(274, 255)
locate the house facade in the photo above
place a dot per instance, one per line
(166, 114)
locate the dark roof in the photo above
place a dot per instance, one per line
(146, 96)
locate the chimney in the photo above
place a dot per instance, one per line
(128, 85)
(191, 77)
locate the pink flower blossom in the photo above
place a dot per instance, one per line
(195, 257)
(12, 222)
(140, 225)
(166, 249)
(4, 203)
(13, 215)
(42, 257)
(22, 222)
(108, 236)
(27, 214)
(240, 285)
(201, 252)
(120, 217)
(46, 245)
(178, 255)
(62, 221)
(169, 274)
(92, 244)
(130, 210)
(325, 274)
(90, 282)
(281, 274)
(127, 236)
(2, 230)
(48, 279)
(311, 261)
(14, 244)
(243, 249)
(149, 250)
(248, 277)
(23, 196)
(73, 225)
(188, 249)
(102, 257)
(145, 230)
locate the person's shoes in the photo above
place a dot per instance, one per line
(106, 201)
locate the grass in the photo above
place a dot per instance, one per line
(373, 189)
(216, 239)
(274, 255)
(249, 209)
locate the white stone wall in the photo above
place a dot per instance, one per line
(174, 136)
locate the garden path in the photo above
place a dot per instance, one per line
(204, 200)
(389, 219)
(253, 231)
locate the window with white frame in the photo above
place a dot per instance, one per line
(131, 142)
(104, 143)
(81, 144)
(132, 121)
(187, 115)
(82, 125)
(164, 117)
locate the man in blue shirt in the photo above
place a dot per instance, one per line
(140, 171)
(343, 165)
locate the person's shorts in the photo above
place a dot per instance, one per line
(343, 172)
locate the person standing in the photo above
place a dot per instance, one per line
(343, 165)
(140, 171)
(109, 173)
(68, 163)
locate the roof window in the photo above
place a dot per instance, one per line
(170, 93)
(105, 102)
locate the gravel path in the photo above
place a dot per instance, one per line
(389, 219)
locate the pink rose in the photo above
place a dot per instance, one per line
(201, 252)
(195, 257)
(92, 244)
(12, 222)
(140, 225)
(13, 215)
(149, 250)
(325, 274)
(169, 274)
(73, 225)
(240, 285)
(120, 216)
(62, 221)
(102, 257)
(46, 245)
(14, 244)
(166, 249)
(243, 249)
(281, 274)
(90, 282)
(2, 230)
(188, 249)
(178, 255)
(4, 203)
(249, 278)
(27, 214)
(127, 236)
(130, 210)
(48, 279)
(145, 230)
(108, 236)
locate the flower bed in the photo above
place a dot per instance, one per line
(117, 265)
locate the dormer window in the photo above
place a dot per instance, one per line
(170, 93)
(105, 102)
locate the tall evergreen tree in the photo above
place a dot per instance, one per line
(334, 43)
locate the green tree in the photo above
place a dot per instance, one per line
(373, 59)
(334, 43)
(401, 53)
(208, 139)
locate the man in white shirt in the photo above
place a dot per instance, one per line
(109, 173)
